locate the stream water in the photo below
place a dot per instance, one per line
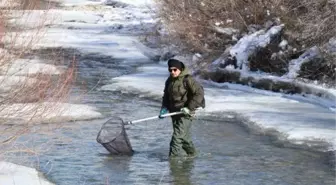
(228, 152)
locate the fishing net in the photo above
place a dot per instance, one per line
(113, 137)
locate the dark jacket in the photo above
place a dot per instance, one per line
(176, 95)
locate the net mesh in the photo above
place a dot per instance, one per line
(113, 137)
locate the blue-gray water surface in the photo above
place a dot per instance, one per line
(228, 153)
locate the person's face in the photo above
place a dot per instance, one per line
(174, 72)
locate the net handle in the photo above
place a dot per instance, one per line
(154, 117)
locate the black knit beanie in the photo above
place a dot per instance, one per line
(175, 63)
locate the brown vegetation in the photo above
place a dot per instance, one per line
(197, 26)
(26, 93)
(308, 22)
(195, 22)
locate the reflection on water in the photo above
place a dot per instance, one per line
(116, 166)
(181, 170)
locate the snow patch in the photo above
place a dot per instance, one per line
(27, 67)
(130, 2)
(295, 65)
(227, 31)
(13, 174)
(8, 3)
(48, 112)
(283, 44)
(250, 43)
(7, 83)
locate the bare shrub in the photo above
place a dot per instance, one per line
(309, 22)
(199, 26)
(23, 97)
(194, 22)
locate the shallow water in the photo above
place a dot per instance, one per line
(228, 153)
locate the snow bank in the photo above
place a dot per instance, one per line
(23, 67)
(8, 83)
(8, 3)
(15, 77)
(78, 2)
(106, 39)
(130, 2)
(41, 17)
(307, 92)
(47, 112)
(105, 44)
(12, 174)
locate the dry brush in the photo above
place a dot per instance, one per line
(209, 27)
(27, 92)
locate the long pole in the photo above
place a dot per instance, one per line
(154, 117)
